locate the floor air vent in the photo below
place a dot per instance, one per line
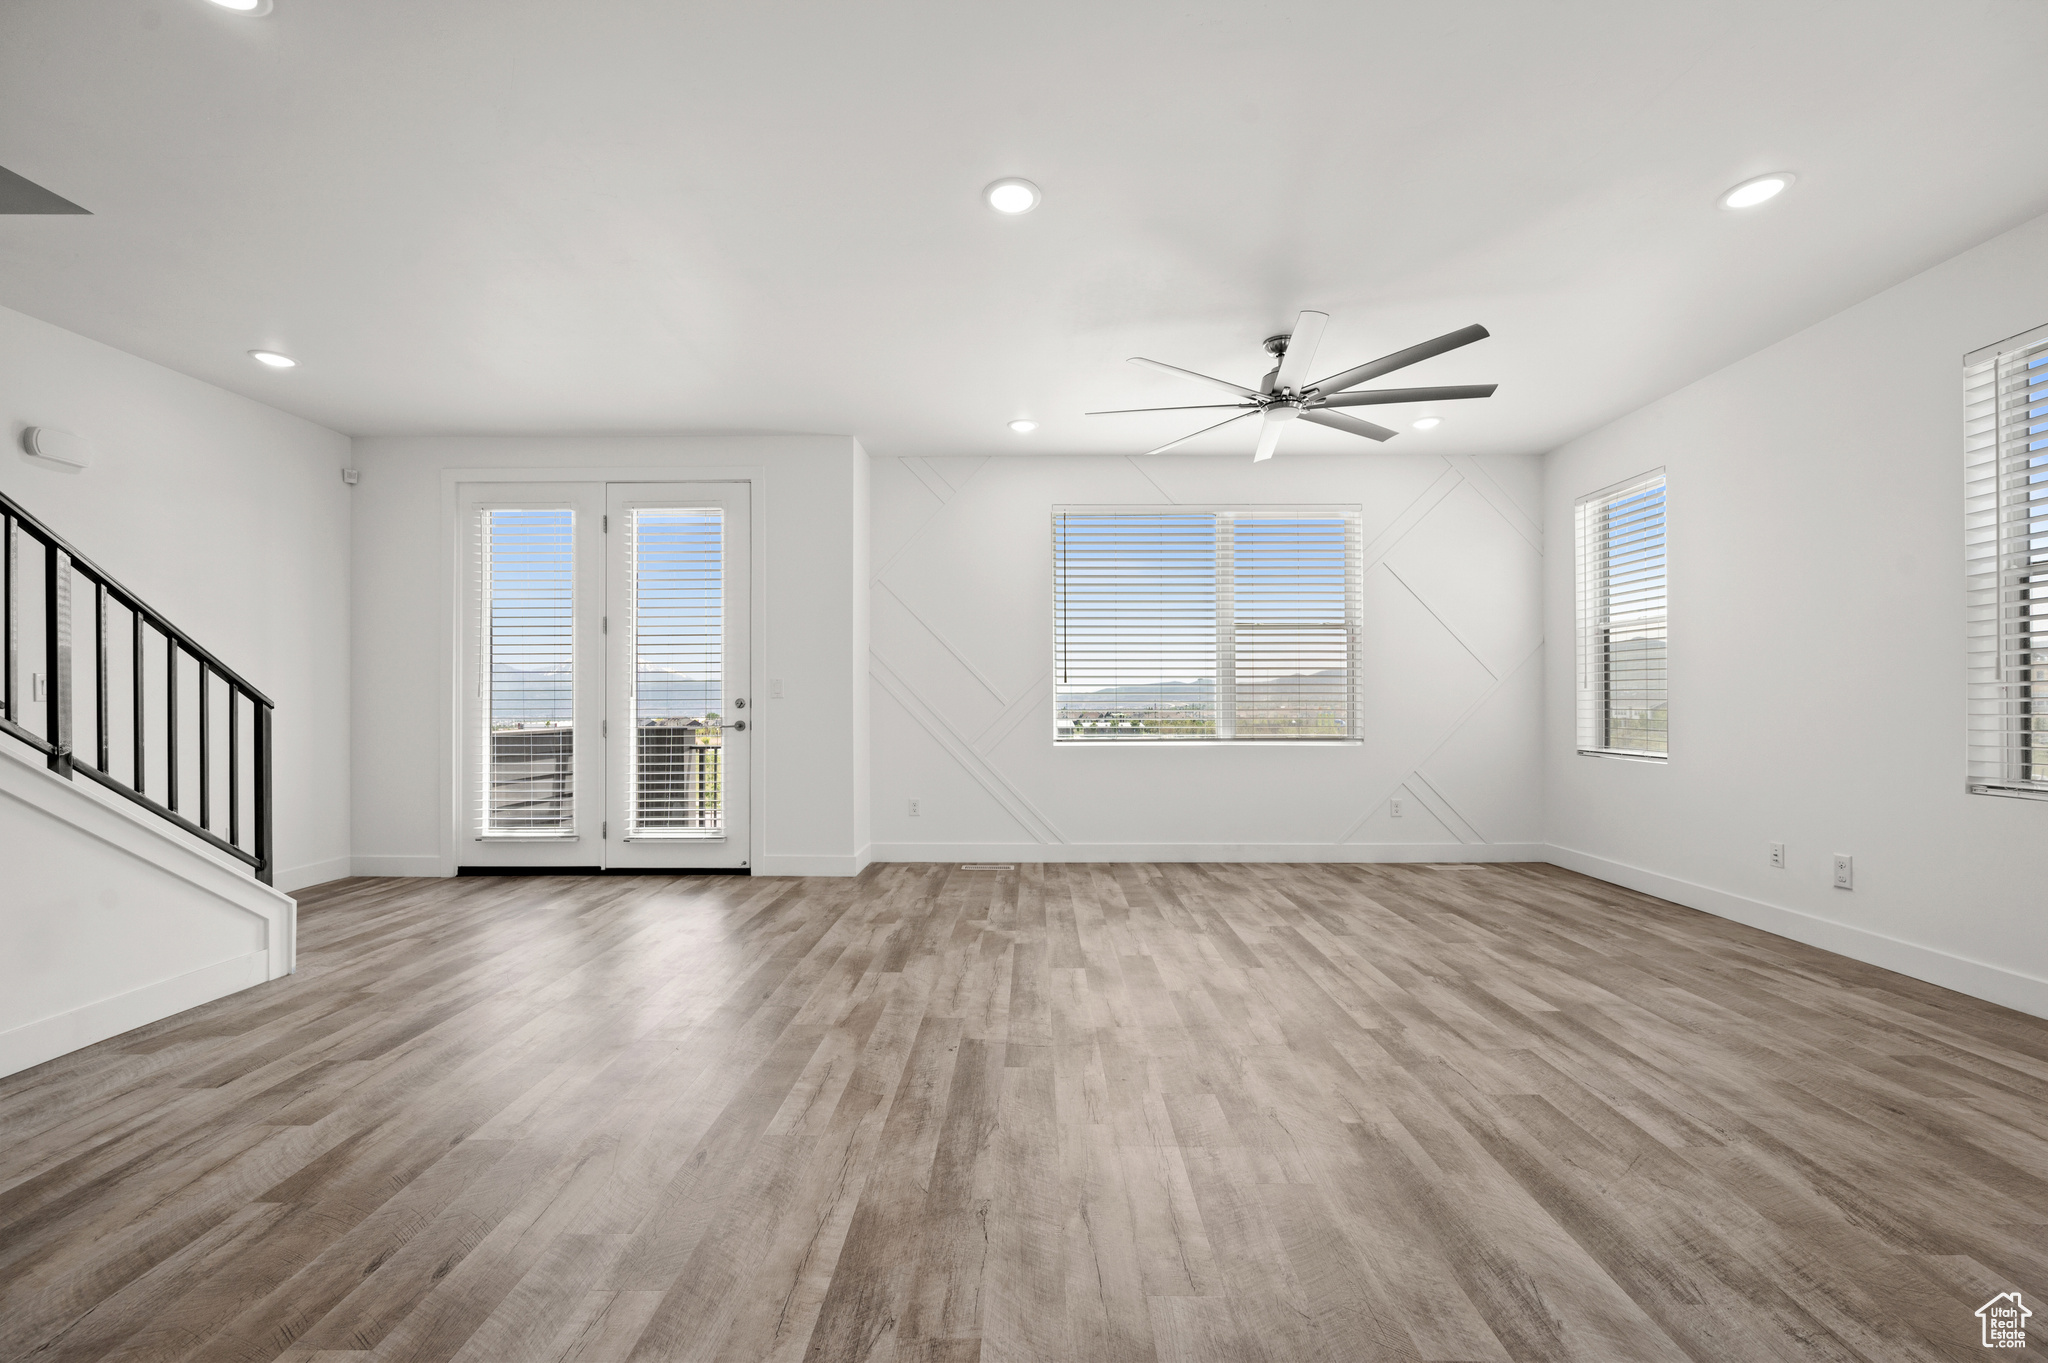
(987, 866)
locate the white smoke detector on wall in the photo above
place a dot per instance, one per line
(59, 447)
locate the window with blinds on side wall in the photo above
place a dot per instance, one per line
(2005, 456)
(1622, 702)
(1235, 624)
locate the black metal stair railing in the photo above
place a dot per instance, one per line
(133, 720)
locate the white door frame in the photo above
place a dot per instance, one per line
(453, 567)
(587, 653)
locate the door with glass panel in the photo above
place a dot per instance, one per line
(604, 676)
(681, 716)
(532, 684)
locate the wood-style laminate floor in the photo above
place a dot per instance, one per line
(1133, 1112)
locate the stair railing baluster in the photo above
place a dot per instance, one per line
(234, 764)
(205, 750)
(171, 722)
(99, 667)
(135, 657)
(264, 869)
(8, 711)
(57, 655)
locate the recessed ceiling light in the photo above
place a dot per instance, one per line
(1022, 427)
(251, 8)
(1012, 196)
(273, 359)
(1762, 189)
(1427, 422)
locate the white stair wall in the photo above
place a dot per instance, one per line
(110, 919)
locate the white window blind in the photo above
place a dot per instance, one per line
(2005, 454)
(675, 558)
(1205, 624)
(526, 587)
(1622, 620)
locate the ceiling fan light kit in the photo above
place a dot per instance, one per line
(1284, 396)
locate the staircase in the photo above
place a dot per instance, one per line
(135, 809)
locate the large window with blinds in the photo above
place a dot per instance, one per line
(526, 582)
(2005, 455)
(1205, 624)
(1622, 643)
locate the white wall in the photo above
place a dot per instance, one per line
(111, 921)
(808, 505)
(1817, 645)
(962, 644)
(227, 516)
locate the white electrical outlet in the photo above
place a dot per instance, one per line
(914, 811)
(1778, 855)
(1394, 809)
(775, 688)
(1845, 872)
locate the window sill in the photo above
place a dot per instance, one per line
(2010, 792)
(1207, 742)
(1623, 755)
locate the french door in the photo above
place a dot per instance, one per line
(606, 713)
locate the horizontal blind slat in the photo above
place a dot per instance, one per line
(676, 633)
(526, 585)
(1204, 625)
(2005, 458)
(1621, 636)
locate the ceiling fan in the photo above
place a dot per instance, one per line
(1283, 396)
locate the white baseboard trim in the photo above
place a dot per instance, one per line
(848, 865)
(1979, 979)
(1355, 852)
(297, 878)
(47, 1038)
(361, 865)
(851, 864)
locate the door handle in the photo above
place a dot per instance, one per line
(737, 724)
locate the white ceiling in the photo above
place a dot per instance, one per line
(594, 215)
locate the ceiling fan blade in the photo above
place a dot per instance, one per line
(1384, 395)
(1301, 350)
(1401, 359)
(1269, 436)
(1238, 389)
(1198, 407)
(1161, 449)
(1336, 421)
